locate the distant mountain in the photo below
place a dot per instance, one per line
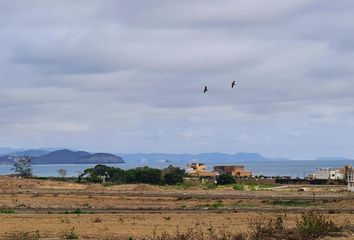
(7, 160)
(60, 156)
(332, 158)
(29, 152)
(100, 158)
(6, 151)
(19, 152)
(80, 157)
(63, 156)
(222, 158)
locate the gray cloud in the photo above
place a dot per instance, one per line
(127, 76)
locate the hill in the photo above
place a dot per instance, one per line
(63, 156)
(5, 151)
(7, 159)
(80, 157)
(331, 158)
(29, 152)
(100, 158)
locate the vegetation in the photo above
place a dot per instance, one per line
(76, 211)
(314, 225)
(311, 226)
(211, 186)
(268, 227)
(225, 179)
(7, 211)
(23, 236)
(23, 167)
(173, 175)
(71, 235)
(62, 172)
(194, 233)
(102, 173)
(238, 187)
(216, 205)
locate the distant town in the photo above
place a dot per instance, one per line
(344, 175)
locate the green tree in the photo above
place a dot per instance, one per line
(118, 175)
(224, 179)
(173, 175)
(173, 169)
(148, 175)
(23, 167)
(173, 178)
(62, 172)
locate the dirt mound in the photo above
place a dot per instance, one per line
(145, 188)
(95, 188)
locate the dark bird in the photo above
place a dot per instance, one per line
(233, 84)
(205, 88)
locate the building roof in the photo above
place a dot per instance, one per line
(234, 166)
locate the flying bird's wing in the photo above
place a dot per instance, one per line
(233, 84)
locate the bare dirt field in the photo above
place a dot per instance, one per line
(120, 211)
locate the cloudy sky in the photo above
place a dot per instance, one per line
(127, 76)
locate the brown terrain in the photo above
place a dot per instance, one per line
(98, 212)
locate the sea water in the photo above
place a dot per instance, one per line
(293, 168)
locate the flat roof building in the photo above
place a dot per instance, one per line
(329, 174)
(234, 170)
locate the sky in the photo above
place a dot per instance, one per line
(127, 76)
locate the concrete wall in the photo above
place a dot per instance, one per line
(322, 173)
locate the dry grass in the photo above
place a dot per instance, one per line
(112, 226)
(17, 194)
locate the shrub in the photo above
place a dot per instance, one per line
(76, 211)
(94, 179)
(238, 187)
(314, 225)
(211, 186)
(7, 211)
(216, 205)
(71, 235)
(270, 228)
(224, 179)
(173, 178)
(196, 233)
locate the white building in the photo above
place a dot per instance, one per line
(350, 177)
(329, 174)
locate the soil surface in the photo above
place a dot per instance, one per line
(97, 212)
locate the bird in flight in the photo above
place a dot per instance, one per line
(205, 88)
(233, 84)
